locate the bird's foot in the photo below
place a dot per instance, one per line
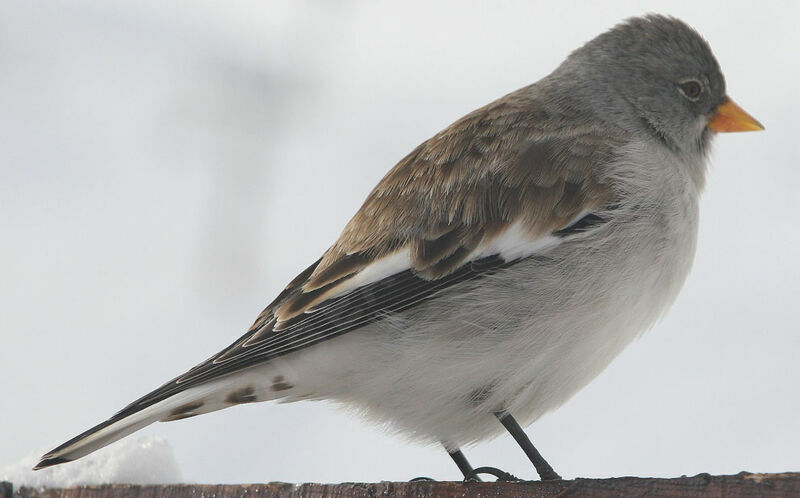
(549, 475)
(499, 474)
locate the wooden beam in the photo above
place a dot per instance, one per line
(702, 485)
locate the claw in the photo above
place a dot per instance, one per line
(499, 474)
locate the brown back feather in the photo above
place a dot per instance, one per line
(514, 160)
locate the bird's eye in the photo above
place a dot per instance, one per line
(691, 89)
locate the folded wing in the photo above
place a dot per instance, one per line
(488, 191)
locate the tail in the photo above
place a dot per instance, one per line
(207, 397)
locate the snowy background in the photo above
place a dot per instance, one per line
(166, 167)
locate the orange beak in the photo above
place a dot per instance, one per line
(730, 117)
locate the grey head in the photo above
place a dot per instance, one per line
(653, 75)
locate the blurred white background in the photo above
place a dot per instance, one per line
(166, 167)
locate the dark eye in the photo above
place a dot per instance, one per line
(692, 89)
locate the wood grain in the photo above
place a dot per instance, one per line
(705, 485)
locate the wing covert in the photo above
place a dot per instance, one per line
(432, 222)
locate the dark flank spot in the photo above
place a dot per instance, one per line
(478, 396)
(246, 395)
(279, 384)
(184, 411)
(182, 416)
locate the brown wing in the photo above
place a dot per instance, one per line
(513, 161)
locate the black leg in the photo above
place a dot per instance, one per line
(462, 462)
(546, 472)
(471, 475)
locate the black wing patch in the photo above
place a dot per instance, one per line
(333, 317)
(585, 223)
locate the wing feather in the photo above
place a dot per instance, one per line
(508, 168)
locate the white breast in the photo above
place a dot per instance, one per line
(526, 339)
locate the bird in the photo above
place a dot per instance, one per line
(497, 268)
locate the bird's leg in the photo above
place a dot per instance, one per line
(462, 463)
(471, 475)
(546, 472)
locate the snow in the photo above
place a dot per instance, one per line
(143, 460)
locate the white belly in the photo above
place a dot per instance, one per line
(524, 340)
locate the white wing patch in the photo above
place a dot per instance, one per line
(513, 243)
(377, 270)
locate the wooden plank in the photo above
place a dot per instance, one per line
(702, 485)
